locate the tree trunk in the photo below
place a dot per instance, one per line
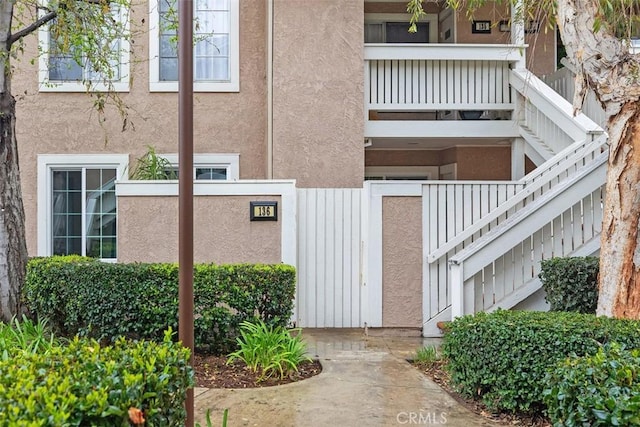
(13, 248)
(619, 294)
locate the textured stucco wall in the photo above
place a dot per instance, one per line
(487, 162)
(403, 157)
(148, 230)
(402, 262)
(541, 51)
(223, 122)
(483, 163)
(318, 123)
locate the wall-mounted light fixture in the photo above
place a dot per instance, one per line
(532, 27)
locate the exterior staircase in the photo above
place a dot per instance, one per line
(557, 211)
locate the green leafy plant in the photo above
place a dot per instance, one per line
(81, 382)
(225, 415)
(427, 355)
(25, 336)
(503, 357)
(571, 284)
(153, 166)
(598, 390)
(270, 349)
(104, 301)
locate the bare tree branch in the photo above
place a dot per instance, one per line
(33, 26)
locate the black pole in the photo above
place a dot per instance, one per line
(185, 190)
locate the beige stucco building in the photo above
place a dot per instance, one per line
(287, 102)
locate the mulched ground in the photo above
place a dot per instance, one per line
(213, 372)
(436, 372)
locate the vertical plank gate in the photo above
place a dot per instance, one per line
(329, 257)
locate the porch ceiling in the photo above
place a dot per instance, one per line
(432, 143)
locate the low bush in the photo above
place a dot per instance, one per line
(82, 383)
(598, 390)
(105, 301)
(502, 357)
(270, 349)
(571, 284)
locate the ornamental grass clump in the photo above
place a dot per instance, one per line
(25, 336)
(270, 350)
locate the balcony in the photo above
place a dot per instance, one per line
(440, 90)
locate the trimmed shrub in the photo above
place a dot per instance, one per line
(502, 357)
(598, 390)
(571, 284)
(105, 301)
(81, 383)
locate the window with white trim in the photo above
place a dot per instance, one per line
(77, 206)
(392, 28)
(216, 55)
(224, 167)
(63, 70)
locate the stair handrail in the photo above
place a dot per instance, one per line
(458, 262)
(537, 91)
(531, 186)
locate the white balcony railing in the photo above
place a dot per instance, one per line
(438, 77)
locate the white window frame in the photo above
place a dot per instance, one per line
(49, 162)
(233, 85)
(230, 162)
(120, 85)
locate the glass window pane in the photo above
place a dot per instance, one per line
(203, 70)
(220, 68)
(64, 69)
(93, 179)
(74, 180)
(74, 246)
(211, 173)
(168, 47)
(109, 248)
(165, 5)
(397, 33)
(168, 69)
(74, 225)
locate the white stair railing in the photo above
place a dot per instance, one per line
(499, 269)
(562, 167)
(566, 165)
(548, 117)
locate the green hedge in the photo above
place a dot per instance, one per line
(598, 390)
(503, 357)
(571, 283)
(82, 383)
(105, 301)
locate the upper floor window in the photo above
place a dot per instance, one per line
(66, 68)
(394, 28)
(216, 45)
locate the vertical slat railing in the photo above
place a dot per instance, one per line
(432, 77)
(565, 220)
(450, 207)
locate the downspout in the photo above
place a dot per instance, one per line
(270, 89)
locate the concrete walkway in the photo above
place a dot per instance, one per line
(365, 381)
